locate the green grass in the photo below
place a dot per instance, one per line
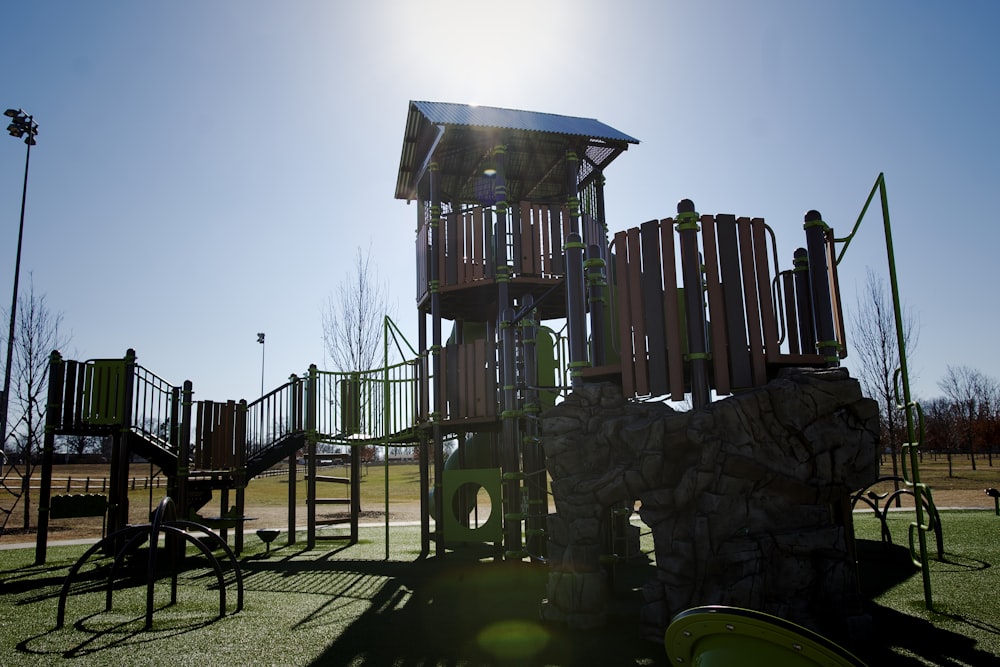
(404, 486)
(349, 606)
(963, 627)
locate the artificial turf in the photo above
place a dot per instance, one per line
(339, 605)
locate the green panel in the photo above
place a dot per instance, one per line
(350, 406)
(77, 505)
(104, 392)
(453, 481)
(548, 367)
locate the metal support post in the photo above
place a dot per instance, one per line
(694, 301)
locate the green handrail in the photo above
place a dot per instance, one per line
(901, 380)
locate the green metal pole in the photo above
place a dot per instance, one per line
(385, 423)
(913, 439)
(914, 427)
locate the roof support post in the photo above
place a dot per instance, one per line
(576, 305)
(437, 359)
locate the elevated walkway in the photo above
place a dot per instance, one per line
(208, 447)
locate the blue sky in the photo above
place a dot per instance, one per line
(206, 170)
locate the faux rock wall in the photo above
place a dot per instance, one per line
(747, 499)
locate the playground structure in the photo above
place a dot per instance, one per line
(203, 447)
(512, 236)
(521, 296)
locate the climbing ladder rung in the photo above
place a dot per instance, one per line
(337, 480)
(333, 501)
(339, 521)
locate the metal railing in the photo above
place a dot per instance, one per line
(275, 416)
(155, 409)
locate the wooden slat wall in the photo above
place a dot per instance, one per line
(558, 231)
(623, 290)
(758, 364)
(531, 220)
(198, 452)
(423, 262)
(634, 268)
(594, 233)
(451, 247)
(452, 387)
(470, 382)
(476, 255)
(672, 312)
(539, 248)
(514, 250)
(219, 441)
(465, 241)
(71, 404)
(731, 275)
(716, 307)
(769, 323)
(651, 286)
(745, 336)
(791, 314)
(838, 315)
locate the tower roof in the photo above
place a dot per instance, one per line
(462, 137)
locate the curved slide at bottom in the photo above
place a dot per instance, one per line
(718, 636)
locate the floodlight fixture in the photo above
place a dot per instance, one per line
(22, 124)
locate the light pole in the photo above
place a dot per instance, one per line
(260, 339)
(21, 125)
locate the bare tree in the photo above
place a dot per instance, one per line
(79, 444)
(973, 395)
(36, 335)
(353, 317)
(874, 345)
(940, 427)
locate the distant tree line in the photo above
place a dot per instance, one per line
(964, 421)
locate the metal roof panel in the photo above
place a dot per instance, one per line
(445, 113)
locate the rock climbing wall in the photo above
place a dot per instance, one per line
(747, 499)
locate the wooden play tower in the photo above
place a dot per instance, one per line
(511, 234)
(509, 203)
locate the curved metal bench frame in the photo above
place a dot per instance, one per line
(163, 522)
(879, 503)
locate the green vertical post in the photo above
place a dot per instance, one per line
(694, 300)
(911, 409)
(310, 406)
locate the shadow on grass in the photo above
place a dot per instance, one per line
(449, 611)
(480, 614)
(918, 638)
(105, 631)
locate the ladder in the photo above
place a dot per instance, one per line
(340, 491)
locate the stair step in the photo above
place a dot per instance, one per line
(333, 501)
(333, 522)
